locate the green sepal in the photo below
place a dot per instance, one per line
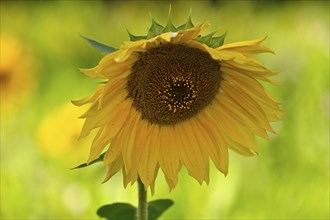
(155, 29)
(117, 211)
(134, 37)
(211, 41)
(105, 49)
(94, 161)
(187, 25)
(217, 41)
(169, 27)
(205, 39)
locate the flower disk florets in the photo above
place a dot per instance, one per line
(173, 82)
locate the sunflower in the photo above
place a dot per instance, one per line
(17, 68)
(176, 98)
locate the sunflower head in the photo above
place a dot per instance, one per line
(17, 68)
(172, 83)
(174, 98)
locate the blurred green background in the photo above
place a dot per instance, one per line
(41, 52)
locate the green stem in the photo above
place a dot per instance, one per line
(142, 210)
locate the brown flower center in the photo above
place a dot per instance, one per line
(172, 83)
(5, 77)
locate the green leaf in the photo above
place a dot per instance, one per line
(125, 211)
(117, 211)
(217, 41)
(134, 37)
(86, 165)
(105, 49)
(155, 29)
(157, 207)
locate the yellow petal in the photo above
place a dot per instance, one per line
(126, 176)
(208, 135)
(109, 131)
(129, 140)
(99, 143)
(112, 69)
(113, 168)
(246, 102)
(104, 115)
(115, 148)
(255, 89)
(190, 152)
(142, 133)
(128, 48)
(240, 149)
(92, 110)
(168, 156)
(203, 145)
(112, 89)
(249, 68)
(219, 55)
(243, 43)
(233, 130)
(190, 34)
(252, 50)
(218, 151)
(107, 99)
(119, 117)
(232, 55)
(174, 155)
(239, 114)
(91, 72)
(152, 185)
(149, 157)
(89, 99)
(95, 152)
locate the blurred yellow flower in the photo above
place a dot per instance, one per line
(58, 133)
(17, 69)
(174, 98)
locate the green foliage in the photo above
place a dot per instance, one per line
(211, 41)
(187, 25)
(169, 27)
(134, 37)
(157, 207)
(105, 49)
(157, 29)
(117, 211)
(205, 38)
(291, 173)
(88, 164)
(125, 211)
(217, 41)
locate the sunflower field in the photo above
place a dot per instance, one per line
(47, 51)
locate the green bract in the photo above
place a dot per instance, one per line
(157, 29)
